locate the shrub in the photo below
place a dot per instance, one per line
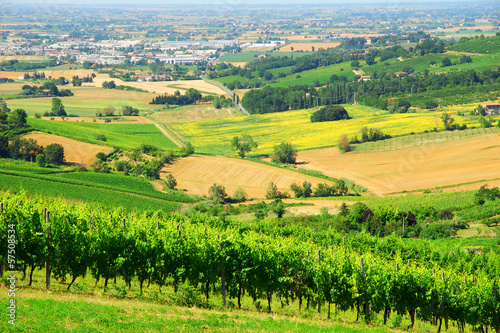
(344, 144)
(170, 181)
(40, 160)
(239, 195)
(284, 153)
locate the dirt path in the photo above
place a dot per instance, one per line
(168, 135)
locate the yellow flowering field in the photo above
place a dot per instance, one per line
(268, 130)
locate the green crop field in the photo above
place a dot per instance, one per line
(487, 45)
(268, 130)
(308, 77)
(94, 195)
(249, 55)
(127, 136)
(321, 75)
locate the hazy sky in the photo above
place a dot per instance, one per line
(220, 2)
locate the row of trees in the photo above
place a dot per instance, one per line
(190, 97)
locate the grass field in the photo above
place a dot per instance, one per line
(193, 113)
(127, 136)
(214, 136)
(88, 309)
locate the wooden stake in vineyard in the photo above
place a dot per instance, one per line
(47, 264)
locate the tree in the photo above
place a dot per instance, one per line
(273, 192)
(17, 117)
(430, 104)
(239, 195)
(243, 144)
(54, 153)
(58, 107)
(217, 193)
(127, 110)
(40, 160)
(446, 62)
(76, 81)
(303, 191)
(217, 104)
(330, 113)
(3, 106)
(284, 153)
(448, 122)
(278, 208)
(344, 144)
(170, 181)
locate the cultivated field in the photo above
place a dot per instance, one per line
(127, 136)
(197, 174)
(75, 152)
(22, 58)
(87, 101)
(162, 87)
(193, 113)
(308, 46)
(214, 136)
(68, 74)
(468, 160)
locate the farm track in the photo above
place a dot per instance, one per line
(168, 135)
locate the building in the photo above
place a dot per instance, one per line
(365, 78)
(491, 108)
(3, 79)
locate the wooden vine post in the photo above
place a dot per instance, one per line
(366, 305)
(319, 300)
(222, 277)
(1, 263)
(47, 264)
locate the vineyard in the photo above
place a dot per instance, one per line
(377, 277)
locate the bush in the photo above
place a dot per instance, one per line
(284, 153)
(239, 195)
(330, 113)
(344, 144)
(170, 181)
(217, 193)
(40, 160)
(438, 230)
(188, 296)
(273, 192)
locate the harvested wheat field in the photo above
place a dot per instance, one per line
(308, 46)
(451, 163)
(22, 58)
(67, 74)
(118, 120)
(193, 113)
(161, 87)
(75, 152)
(197, 174)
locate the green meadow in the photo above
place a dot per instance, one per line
(128, 136)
